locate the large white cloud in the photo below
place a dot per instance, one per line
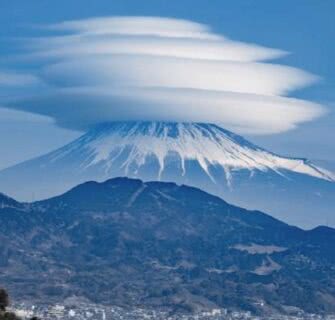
(211, 49)
(138, 68)
(72, 108)
(151, 71)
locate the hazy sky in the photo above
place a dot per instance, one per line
(304, 28)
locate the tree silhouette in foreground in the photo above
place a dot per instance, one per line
(4, 303)
(4, 300)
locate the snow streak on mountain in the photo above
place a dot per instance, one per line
(201, 155)
(208, 145)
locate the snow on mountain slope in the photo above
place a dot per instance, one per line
(201, 155)
(206, 144)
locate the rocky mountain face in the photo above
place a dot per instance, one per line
(201, 155)
(159, 245)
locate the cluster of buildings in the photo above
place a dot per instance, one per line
(88, 311)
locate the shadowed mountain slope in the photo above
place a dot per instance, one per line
(125, 242)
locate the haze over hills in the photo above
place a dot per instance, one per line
(163, 246)
(201, 155)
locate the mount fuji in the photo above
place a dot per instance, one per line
(201, 155)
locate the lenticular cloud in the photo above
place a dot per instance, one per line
(144, 68)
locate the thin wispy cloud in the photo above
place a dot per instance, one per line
(13, 79)
(144, 68)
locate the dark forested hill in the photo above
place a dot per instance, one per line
(125, 242)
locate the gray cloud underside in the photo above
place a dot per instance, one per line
(110, 104)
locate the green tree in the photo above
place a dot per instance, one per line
(4, 303)
(9, 316)
(4, 299)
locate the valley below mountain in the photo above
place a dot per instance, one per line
(162, 246)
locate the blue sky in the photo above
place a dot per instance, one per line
(305, 28)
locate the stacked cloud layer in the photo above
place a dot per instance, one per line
(144, 68)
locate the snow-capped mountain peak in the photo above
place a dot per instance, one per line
(200, 155)
(208, 145)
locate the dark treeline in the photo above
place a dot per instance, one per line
(4, 304)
